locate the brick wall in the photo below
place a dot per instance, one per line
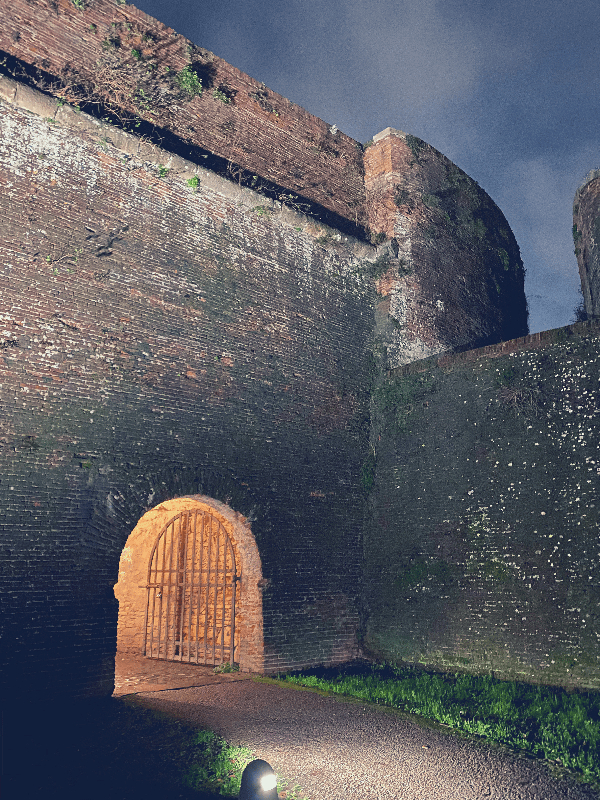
(118, 56)
(160, 339)
(586, 235)
(166, 332)
(483, 550)
(454, 278)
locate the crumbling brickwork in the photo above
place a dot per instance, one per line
(454, 277)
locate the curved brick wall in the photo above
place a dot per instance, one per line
(586, 237)
(455, 279)
(482, 554)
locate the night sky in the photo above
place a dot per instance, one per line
(507, 90)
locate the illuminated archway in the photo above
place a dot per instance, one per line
(157, 614)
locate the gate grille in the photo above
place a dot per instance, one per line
(190, 610)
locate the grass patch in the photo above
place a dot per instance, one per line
(548, 722)
(115, 748)
(218, 765)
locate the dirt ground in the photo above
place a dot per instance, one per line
(334, 748)
(338, 748)
(136, 673)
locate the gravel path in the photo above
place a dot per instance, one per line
(336, 748)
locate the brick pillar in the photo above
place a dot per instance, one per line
(387, 165)
(454, 276)
(405, 318)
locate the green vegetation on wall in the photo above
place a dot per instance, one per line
(486, 497)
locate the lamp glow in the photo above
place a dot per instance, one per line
(259, 782)
(268, 782)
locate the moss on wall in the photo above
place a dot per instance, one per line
(484, 545)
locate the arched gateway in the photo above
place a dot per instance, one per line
(188, 587)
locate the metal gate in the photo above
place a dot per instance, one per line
(190, 611)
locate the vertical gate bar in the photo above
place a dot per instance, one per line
(180, 576)
(174, 578)
(154, 560)
(177, 632)
(169, 586)
(208, 553)
(214, 632)
(164, 602)
(192, 585)
(180, 581)
(224, 598)
(161, 599)
(186, 583)
(215, 583)
(200, 584)
(161, 591)
(234, 587)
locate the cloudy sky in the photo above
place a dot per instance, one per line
(507, 90)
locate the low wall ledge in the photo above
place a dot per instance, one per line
(591, 176)
(388, 132)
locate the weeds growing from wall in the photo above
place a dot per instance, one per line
(396, 399)
(189, 82)
(417, 148)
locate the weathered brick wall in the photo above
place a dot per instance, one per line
(113, 53)
(454, 279)
(166, 332)
(160, 340)
(586, 237)
(483, 551)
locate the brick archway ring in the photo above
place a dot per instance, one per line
(131, 592)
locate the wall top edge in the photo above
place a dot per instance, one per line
(388, 132)
(532, 341)
(591, 176)
(65, 116)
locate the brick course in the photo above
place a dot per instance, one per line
(167, 340)
(257, 130)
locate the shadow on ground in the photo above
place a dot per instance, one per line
(104, 749)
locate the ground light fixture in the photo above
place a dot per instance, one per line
(259, 782)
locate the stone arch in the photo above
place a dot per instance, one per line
(130, 590)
